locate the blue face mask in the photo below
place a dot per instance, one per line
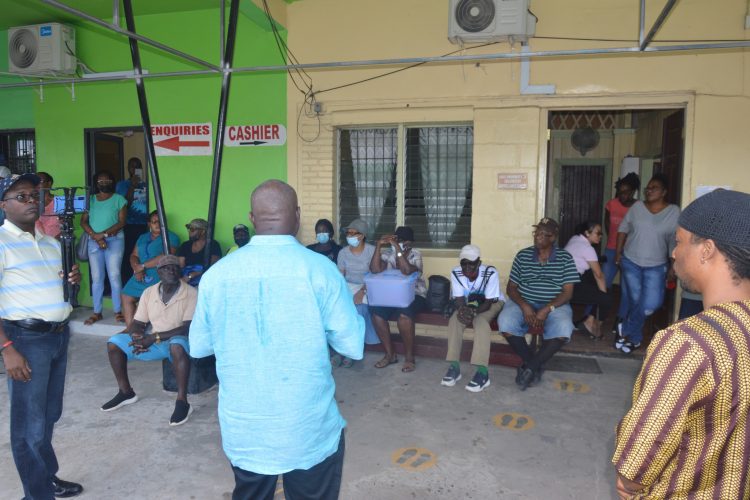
(353, 241)
(323, 238)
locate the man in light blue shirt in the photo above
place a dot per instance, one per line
(268, 312)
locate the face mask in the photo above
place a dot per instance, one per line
(353, 241)
(323, 238)
(401, 245)
(107, 188)
(241, 241)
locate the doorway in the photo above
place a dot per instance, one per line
(588, 150)
(109, 150)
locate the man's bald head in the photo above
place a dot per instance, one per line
(274, 209)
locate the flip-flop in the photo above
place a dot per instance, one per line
(93, 319)
(119, 317)
(386, 361)
(409, 366)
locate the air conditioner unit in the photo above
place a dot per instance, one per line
(42, 49)
(472, 21)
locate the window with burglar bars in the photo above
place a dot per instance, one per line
(434, 196)
(18, 151)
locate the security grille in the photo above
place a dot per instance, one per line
(18, 151)
(436, 196)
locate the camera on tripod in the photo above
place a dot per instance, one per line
(66, 206)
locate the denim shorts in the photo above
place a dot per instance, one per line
(156, 352)
(559, 323)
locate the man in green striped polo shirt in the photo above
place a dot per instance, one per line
(539, 288)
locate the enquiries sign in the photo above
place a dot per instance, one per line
(182, 139)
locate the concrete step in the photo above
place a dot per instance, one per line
(104, 328)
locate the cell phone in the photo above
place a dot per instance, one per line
(139, 172)
(79, 204)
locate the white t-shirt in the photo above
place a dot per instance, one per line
(487, 283)
(582, 251)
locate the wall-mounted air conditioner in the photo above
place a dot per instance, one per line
(42, 49)
(472, 21)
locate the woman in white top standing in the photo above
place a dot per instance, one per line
(593, 287)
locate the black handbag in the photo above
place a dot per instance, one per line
(438, 293)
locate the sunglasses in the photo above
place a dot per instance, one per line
(193, 228)
(24, 198)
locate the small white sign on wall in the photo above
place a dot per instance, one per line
(182, 139)
(512, 181)
(255, 135)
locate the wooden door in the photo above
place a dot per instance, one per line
(108, 155)
(671, 154)
(581, 197)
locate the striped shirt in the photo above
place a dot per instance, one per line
(539, 282)
(30, 284)
(687, 434)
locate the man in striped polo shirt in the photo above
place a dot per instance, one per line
(540, 287)
(686, 434)
(33, 337)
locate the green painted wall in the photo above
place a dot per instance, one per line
(16, 109)
(255, 98)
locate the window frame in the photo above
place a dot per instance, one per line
(401, 129)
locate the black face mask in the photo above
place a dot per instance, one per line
(107, 188)
(242, 240)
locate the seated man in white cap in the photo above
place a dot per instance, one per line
(475, 289)
(169, 307)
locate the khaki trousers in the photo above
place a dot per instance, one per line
(480, 352)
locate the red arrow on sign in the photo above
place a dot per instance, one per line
(175, 144)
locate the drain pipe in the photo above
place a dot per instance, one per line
(526, 88)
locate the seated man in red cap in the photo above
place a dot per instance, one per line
(394, 251)
(169, 307)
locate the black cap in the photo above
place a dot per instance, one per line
(405, 233)
(721, 215)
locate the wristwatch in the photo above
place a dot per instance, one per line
(399, 254)
(552, 308)
(158, 338)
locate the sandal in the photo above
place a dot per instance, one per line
(591, 333)
(386, 361)
(346, 362)
(408, 367)
(336, 360)
(119, 317)
(93, 319)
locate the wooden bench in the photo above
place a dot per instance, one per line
(431, 340)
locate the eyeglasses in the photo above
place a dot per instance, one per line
(107, 181)
(653, 188)
(193, 228)
(542, 234)
(24, 197)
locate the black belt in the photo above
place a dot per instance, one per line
(38, 325)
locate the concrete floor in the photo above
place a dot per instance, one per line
(558, 447)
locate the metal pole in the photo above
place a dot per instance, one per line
(642, 23)
(222, 19)
(130, 34)
(150, 152)
(402, 61)
(116, 12)
(234, 10)
(657, 24)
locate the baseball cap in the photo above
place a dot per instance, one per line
(469, 252)
(168, 260)
(240, 227)
(548, 224)
(405, 233)
(8, 182)
(198, 224)
(358, 225)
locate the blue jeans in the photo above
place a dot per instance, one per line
(645, 293)
(559, 323)
(35, 406)
(610, 270)
(109, 260)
